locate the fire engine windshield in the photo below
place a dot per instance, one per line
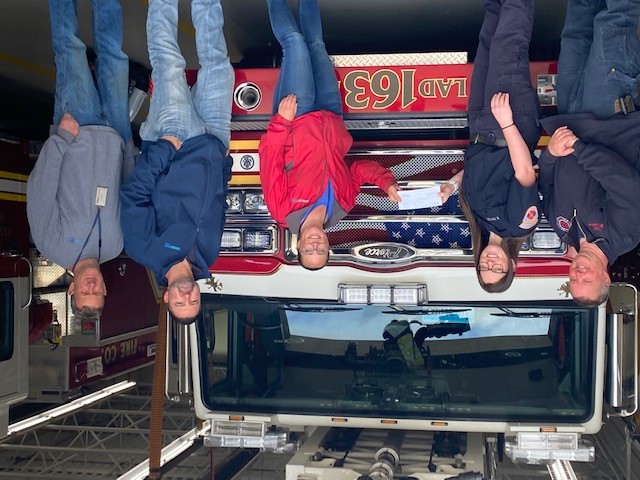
(474, 361)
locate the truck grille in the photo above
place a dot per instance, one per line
(439, 233)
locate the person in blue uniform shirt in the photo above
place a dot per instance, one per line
(174, 201)
(72, 193)
(498, 190)
(589, 172)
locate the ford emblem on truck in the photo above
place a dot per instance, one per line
(384, 252)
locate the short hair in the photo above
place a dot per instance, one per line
(85, 313)
(300, 257)
(184, 320)
(602, 297)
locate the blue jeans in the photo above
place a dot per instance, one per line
(502, 65)
(306, 69)
(175, 109)
(599, 56)
(105, 101)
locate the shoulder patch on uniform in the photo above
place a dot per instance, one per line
(530, 218)
(563, 223)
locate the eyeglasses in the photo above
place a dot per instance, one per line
(309, 248)
(484, 267)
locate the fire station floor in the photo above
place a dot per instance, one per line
(107, 439)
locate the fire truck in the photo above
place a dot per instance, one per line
(392, 362)
(389, 362)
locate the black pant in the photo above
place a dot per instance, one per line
(502, 65)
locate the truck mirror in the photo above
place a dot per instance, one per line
(622, 361)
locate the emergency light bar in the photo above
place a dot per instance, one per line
(545, 241)
(246, 435)
(402, 294)
(544, 448)
(239, 201)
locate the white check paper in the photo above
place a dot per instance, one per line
(419, 198)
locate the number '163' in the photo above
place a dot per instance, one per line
(388, 86)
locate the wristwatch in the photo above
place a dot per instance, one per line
(455, 185)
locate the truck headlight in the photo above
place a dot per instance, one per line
(254, 203)
(234, 202)
(231, 239)
(257, 240)
(545, 241)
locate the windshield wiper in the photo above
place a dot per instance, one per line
(510, 313)
(425, 311)
(296, 308)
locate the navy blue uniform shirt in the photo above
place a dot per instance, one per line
(498, 201)
(597, 188)
(173, 205)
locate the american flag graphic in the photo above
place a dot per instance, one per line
(350, 233)
(435, 165)
(434, 228)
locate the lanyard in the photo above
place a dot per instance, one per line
(95, 220)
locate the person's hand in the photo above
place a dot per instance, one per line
(69, 124)
(288, 107)
(562, 141)
(392, 193)
(446, 190)
(176, 143)
(501, 109)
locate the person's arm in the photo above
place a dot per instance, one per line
(518, 149)
(44, 181)
(273, 175)
(451, 186)
(137, 211)
(560, 145)
(368, 171)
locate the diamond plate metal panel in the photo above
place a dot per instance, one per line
(45, 272)
(48, 370)
(249, 126)
(418, 166)
(352, 124)
(397, 59)
(456, 123)
(433, 165)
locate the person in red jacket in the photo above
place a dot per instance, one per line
(307, 185)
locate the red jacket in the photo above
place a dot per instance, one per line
(297, 159)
